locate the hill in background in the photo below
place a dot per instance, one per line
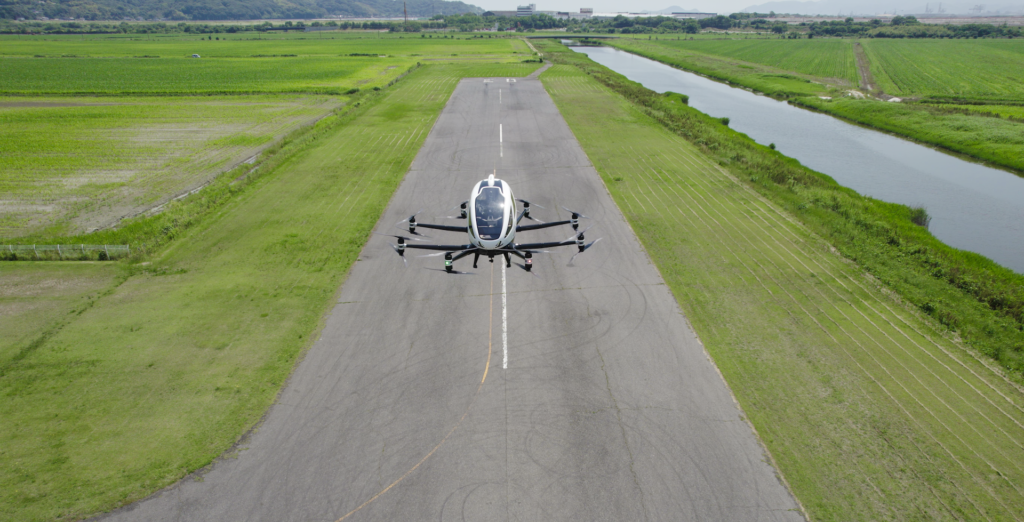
(223, 9)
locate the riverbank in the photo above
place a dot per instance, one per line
(824, 77)
(976, 299)
(867, 409)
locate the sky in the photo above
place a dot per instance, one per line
(614, 6)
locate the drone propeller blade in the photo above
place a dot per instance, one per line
(453, 272)
(404, 261)
(531, 272)
(579, 214)
(406, 220)
(585, 247)
(576, 234)
(532, 204)
(413, 232)
(407, 238)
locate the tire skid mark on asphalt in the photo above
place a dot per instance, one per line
(864, 350)
(487, 365)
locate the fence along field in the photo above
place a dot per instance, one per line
(74, 164)
(869, 411)
(972, 69)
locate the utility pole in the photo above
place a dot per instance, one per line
(406, 11)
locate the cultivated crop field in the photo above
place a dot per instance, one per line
(307, 74)
(831, 58)
(963, 68)
(761, 77)
(246, 45)
(161, 368)
(73, 164)
(869, 411)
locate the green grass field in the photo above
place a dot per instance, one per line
(246, 45)
(976, 69)
(307, 74)
(73, 164)
(999, 141)
(761, 77)
(868, 409)
(165, 369)
(831, 58)
(970, 69)
(236, 64)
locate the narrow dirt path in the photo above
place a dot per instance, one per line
(867, 82)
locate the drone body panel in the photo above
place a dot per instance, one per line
(492, 214)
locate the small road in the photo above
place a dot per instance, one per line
(573, 393)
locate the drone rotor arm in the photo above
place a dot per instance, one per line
(443, 227)
(542, 225)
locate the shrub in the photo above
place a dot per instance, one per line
(919, 216)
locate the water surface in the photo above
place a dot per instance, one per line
(973, 207)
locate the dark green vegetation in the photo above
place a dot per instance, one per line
(934, 78)
(223, 9)
(871, 410)
(999, 141)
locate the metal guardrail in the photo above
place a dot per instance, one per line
(68, 250)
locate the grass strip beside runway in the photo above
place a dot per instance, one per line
(162, 373)
(869, 412)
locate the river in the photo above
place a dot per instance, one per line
(973, 207)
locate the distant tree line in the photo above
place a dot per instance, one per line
(177, 10)
(899, 27)
(908, 27)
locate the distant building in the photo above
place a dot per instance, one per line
(526, 10)
(694, 15)
(587, 11)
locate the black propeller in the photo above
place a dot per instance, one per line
(411, 221)
(574, 213)
(578, 235)
(462, 211)
(526, 210)
(583, 249)
(400, 247)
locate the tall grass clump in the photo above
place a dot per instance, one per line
(919, 216)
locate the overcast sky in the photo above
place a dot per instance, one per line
(614, 6)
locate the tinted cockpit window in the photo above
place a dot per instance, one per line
(490, 213)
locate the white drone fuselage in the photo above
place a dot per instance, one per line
(492, 214)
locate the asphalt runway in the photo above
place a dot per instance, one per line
(572, 393)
